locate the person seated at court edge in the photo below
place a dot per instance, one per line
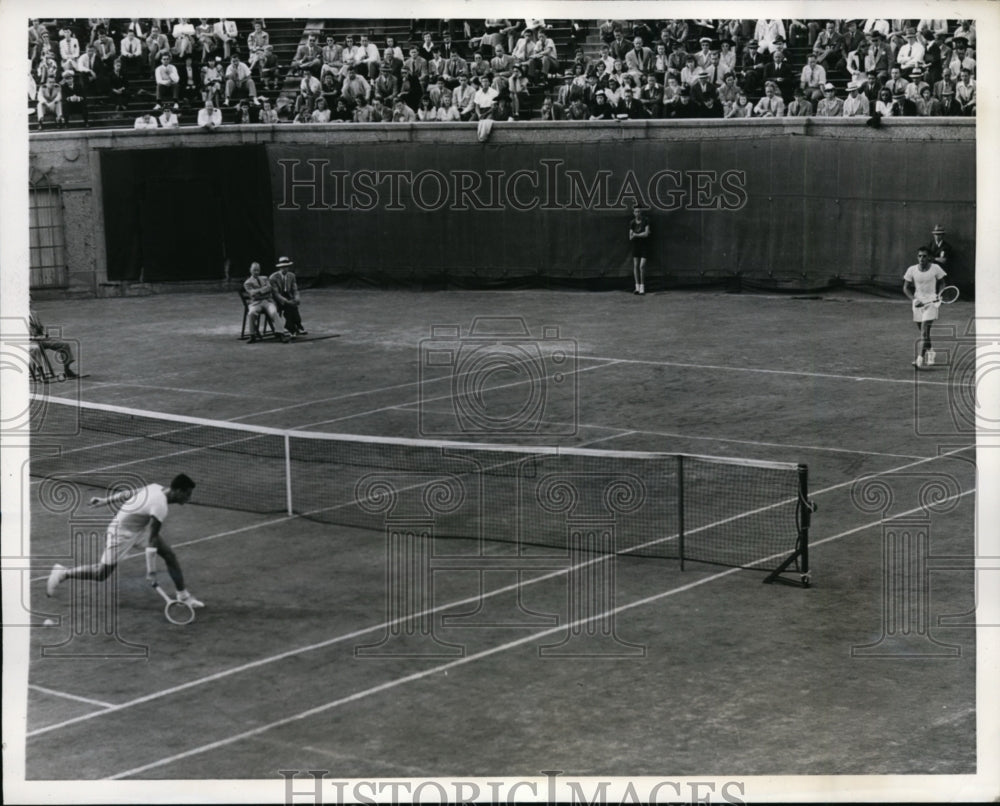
(209, 117)
(260, 299)
(286, 296)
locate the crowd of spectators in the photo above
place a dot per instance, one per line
(213, 73)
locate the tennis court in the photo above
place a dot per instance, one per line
(517, 659)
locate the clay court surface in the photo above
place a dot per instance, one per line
(709, 671)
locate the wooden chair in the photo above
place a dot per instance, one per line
(262, 329)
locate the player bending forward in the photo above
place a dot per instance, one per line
(141, 515)
(922, 283)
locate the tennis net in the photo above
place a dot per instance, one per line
(731, 512)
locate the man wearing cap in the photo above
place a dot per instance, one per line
(939, 249)
(751, 67)
(856, 104)
(703, 91)
(877, 57)
(949, 106)
(286, 296)
(830, 106)
(910, 55)
(915, 88)
(74, 98)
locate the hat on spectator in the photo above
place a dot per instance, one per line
(705, 39)
(752, 43)
(828, 86)
(779, 40)
(940, 33)
(283, 262)
(916, 72)
(600, 92)
(218, 58)
(959, 42)
(68, 72)
(938, 230)
(853, 85)
(567, 74)
(703, 74)
(875, 34)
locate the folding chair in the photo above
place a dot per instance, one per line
(262, 329)
(40, 369)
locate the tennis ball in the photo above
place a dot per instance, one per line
(49, 623)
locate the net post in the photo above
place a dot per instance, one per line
(807, 509)
(288, 475)
(680, 507)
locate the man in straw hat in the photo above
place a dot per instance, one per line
(939, 249)
(286, 296)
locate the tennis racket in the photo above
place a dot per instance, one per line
(175, 611)
(947, 296)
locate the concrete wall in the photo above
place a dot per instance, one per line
(838, 173)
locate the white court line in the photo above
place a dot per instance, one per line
(430, 611)
(797, 373)
(106, 384)
(55, 693)
(391, 684)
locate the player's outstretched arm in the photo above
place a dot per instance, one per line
(114, 498)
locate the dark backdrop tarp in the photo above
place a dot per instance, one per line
(181, 213)
(812, 211)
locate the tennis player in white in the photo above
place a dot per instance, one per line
(141, 515)
(921, 284)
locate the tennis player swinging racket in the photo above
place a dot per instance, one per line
(140, 517)
(923, 284)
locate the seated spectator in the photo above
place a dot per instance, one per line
(184, 38)
(367, 59)
(484, 98)
(209, 117)
(779, 72)
(417, 65)
(741, 108)
(501, 64)
(830, 106)
(543, 60)
(684, 109)
(69, 49)
(767, 32)
(156, 45)
(896, 83)
(381, 113)
(285, 291)
(131, 54)
(303, 116)
(577, 110)
(49, 102)
(828, 47)
(601, 109)
(949, 107)
(549, 111)
(947, 80)
(238, 80)
(225, 33)
(41, 340)
(630, 107)
(885, 107)
(436, 90)
(728, 93)
(517, 89)
(395, 53)
(118, 87)
(168, 81)
(479, 67)
(355, 86)
(211, 81)
(106, 52)
(426, 111)
(205, 35)
(856, 104)
(168, 117)
(331, 57)
(268, 114)
(812, 79)
(727, 56)
(401, 112)
(910, 55)
(190, 81)
(927, 105)
(651, 97)
(914, 88)
(800, 107)
(308, 58)
(147, 120)
(454, 68)
(257, 41)
(716, 72)
(966, 30)
(689, 75)
(522, 49)
(502, 109)
(869, 87)
(965, 92)
(74, 99)
(464, 98)
(771, 105)
(320, 113)
(877, 58)
(703, 89)
(960, 57)
(261, 301)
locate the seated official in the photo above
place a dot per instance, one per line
(40, 340)
(260, 300)
(286, 295)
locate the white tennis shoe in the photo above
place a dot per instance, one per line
(919, 362)
(55, 578)
(931, 355)
(188, 599)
